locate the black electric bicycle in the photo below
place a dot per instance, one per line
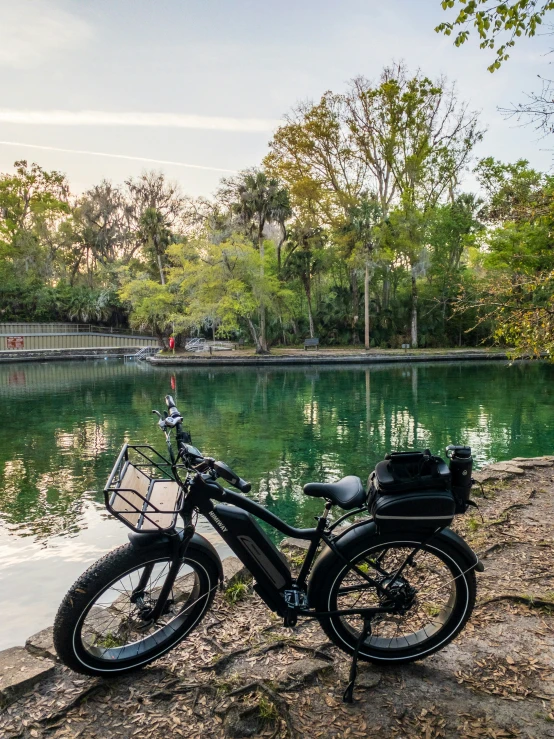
(386, 594)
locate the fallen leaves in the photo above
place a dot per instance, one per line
(508, 678)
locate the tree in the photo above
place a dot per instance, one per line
(151, 306)
(33, 203)
(494, 21)
(415, 138)
(100, 229)
(452, 230)
(155, 237)
(499, 25)
(363, 219)
(258, 200)
(222, 282)
(304, 258)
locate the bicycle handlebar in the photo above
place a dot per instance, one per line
(171, 407)
(220, 468)
(224, 471)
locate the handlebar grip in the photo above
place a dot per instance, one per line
(243, 486)
(223, 470)
(172, 408)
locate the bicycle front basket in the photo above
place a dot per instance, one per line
(141, 492)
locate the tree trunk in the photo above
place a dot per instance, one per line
(308, 290)
(283, 330)
(355, 306)
(311, 320)
(279, 247)
(366, 305)
(160, 267)
(255, 336)
(263, 339)
(414, 310)
(386, 289)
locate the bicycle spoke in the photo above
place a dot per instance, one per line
(427, 577)
(114, 624)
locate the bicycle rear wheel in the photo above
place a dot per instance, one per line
(102, 627)
(438, 592)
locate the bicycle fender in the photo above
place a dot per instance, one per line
(368, 530)
(456, 542)
(197, 542)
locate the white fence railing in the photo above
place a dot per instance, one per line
(203, 345)
(22, 329)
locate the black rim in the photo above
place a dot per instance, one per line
(426, 591)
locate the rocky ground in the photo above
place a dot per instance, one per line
(242, 674)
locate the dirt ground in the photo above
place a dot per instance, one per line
(242, 674)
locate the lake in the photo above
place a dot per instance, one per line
(63, 424)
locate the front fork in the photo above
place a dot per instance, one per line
(178, 552)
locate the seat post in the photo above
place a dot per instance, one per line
(323, 518)
(312, 549)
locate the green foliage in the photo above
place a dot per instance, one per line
(236, 592)
(151, 306)
(494, 21)
(268, 710)
(355, 226)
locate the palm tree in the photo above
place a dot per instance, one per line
(260, 200)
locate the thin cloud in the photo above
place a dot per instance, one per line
(117, 156)
(32, 32)
(160, 120)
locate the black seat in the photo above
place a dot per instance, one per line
(347, 493)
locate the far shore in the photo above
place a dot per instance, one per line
(325, 355)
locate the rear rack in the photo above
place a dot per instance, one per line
(142, 491)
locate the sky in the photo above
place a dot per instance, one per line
(109, 88)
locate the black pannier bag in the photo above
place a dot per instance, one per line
(411, 491)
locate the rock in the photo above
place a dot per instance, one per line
(485, 475)
(532, 463)
(509, 467)
(544, 461)
(42, 644)
(19, 671)
(243, 722)
(291, 543)
(367, 677)
(234, 571)
(302, 671)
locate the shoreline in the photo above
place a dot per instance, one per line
(326, 358)
(67, 355)
(237, 359)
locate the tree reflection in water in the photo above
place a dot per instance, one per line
(62, 424)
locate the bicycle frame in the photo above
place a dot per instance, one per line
(232, 518)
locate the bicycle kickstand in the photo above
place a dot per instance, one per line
(348, 696)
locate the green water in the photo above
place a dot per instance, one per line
(61, 426)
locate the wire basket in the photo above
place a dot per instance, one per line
(141, 491)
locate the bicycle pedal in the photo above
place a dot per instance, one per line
(296, 598)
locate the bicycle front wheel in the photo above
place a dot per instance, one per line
(102, 626)
(436, 589)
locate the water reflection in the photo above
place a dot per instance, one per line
(61, 425)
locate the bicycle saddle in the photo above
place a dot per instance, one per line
(346, 493)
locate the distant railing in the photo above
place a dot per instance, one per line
(22, 329)
(203, 345)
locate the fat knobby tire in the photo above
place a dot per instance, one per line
(466, 590)
(101, 574)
